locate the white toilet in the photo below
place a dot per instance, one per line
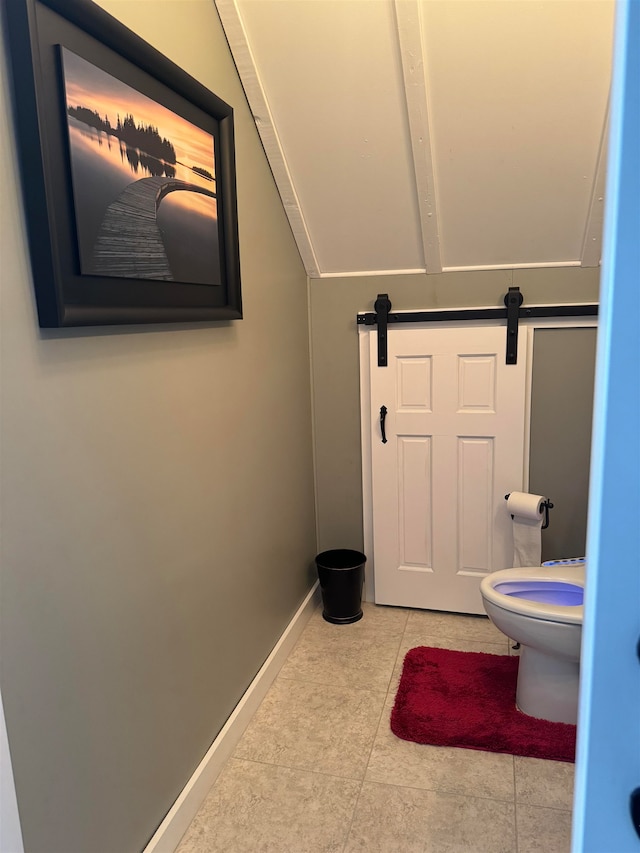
(541, 608)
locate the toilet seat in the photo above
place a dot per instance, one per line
(569, 579)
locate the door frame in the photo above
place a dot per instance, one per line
(608, 742)
(367, 337)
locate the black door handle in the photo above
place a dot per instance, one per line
(634, 805)
(383, 415)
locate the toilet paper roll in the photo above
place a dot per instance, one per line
(525, 505)
(527, 511)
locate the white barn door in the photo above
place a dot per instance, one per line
(455, 430)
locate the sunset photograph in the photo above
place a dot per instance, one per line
(144, 182)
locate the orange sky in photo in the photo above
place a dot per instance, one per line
(88, 86)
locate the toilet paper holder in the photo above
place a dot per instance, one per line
(547, 506)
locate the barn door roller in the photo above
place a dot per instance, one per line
(382, 306)
(513, 300)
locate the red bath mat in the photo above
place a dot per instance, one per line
(468, 699)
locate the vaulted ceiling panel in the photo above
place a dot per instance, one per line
(517, 94)
(431, 134)
(332, 77)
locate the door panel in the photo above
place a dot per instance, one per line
(414, 497)
(455, 429)
(475, 504)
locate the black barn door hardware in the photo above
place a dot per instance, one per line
(512, 312)
(382, 306)
(383, 415)
(513, 300)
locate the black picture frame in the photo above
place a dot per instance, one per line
(68, 293)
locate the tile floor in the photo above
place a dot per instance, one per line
(318, 769)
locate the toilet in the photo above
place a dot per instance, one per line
(541, 608)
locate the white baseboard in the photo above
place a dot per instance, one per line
(170, 832)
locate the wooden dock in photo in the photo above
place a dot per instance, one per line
(129, 243)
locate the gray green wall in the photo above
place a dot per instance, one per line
(560, 448)
(335, 368)
(158, 527)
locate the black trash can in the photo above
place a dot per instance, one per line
(341, 574)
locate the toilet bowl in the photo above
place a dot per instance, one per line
(541, 608)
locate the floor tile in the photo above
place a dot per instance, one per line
(544, 783)
(389, 819)
(319, 753)
(453, 625)
(345, 654)
(314, 727)
(469, 772)
(543, 830)
(260, 807)
(375, 617)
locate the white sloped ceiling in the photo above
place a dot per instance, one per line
(431, 134)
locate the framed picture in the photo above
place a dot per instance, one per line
(128, 173)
